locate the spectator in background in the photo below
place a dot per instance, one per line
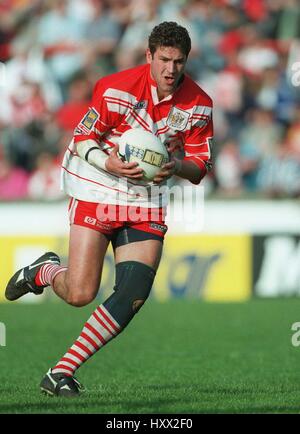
(228, 169)
(279, 175)
(44, 183)
(256, 54)
(242, 55)
(258, 140)
(13, 15)
(27, 82)
(230, 26)
(144, 16)
(13, 180)
(62, 38)
(267, 96)
(27, 104)
(7, 32)
(121, 10)
(293, 135)
(102, 34)
(79, 96)
(288, 21)
(205, 20)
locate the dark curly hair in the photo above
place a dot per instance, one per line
(169, 34)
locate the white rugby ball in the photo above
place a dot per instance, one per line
(146, 149)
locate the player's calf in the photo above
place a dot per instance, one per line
(133, 284)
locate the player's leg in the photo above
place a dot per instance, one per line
(138, 250)
(79, 283)
(136, 264)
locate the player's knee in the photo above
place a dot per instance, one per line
(79, 299)
(137, 304)
(78, 293)
(133, 284)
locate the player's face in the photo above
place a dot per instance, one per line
(167, 66)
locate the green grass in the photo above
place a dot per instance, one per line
(176, 357)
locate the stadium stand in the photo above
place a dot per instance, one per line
(243, 52)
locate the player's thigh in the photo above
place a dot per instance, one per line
(148, 252)
(87, 249)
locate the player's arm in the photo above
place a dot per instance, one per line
(88, 134)
(184, 169)
(90, 151)
(197, 160)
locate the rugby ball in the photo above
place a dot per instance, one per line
(146, 149)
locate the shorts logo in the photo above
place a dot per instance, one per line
(158, 227)
(177, 119)
(90, 220)
(88, 121)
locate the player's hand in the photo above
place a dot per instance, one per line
(118, 167)
(167, 170)
(174, 143)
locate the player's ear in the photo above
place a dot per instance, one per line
(148, 56)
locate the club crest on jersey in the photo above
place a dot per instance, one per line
(177, 119)
(89, 120)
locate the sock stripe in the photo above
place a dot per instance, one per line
(76, 354)
(70, 370)
(108, 318)
(71, 361)
(89, 340)
(105, 326)
(47, 273)
(96, 333)
(61, 269)
(83, 348)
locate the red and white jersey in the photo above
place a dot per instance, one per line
(129, 99)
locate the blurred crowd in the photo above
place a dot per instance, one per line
(246, 55)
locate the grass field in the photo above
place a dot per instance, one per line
(176, 357)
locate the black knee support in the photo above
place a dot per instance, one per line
(134, 281)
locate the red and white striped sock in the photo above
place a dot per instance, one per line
(100, 328)
(47, 273)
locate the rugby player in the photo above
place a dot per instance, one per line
(158, 97)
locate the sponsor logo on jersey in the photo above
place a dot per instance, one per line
(141, 105)
(177, 119)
